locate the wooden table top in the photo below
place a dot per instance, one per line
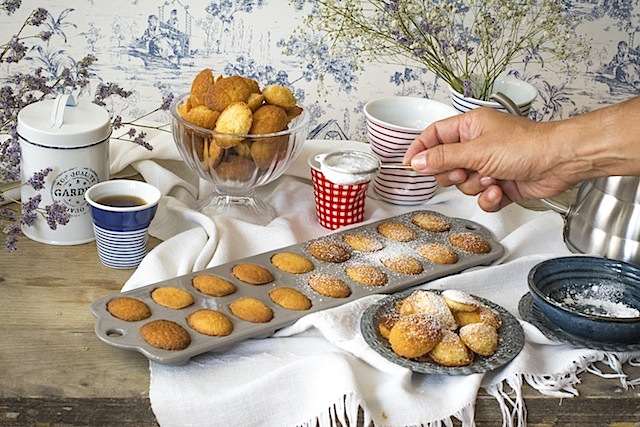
(55, 371)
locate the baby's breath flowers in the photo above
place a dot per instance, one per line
(466, 43)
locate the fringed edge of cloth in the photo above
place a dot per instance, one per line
(561, 385)
(351, 409)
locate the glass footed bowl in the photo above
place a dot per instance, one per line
(253, 161)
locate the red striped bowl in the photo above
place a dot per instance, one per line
(392, 125)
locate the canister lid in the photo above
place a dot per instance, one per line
(62, 122)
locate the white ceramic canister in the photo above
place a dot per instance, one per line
(73, 140)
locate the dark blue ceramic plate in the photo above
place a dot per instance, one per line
(510, 339)
(591, 297)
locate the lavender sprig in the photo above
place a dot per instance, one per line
(24, 88)
(133, 134)
(10, 221)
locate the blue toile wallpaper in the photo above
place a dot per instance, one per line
(154, 47)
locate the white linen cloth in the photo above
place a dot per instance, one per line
(320, 370)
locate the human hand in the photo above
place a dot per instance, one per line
(501, 157)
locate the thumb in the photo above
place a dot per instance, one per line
(442, 158)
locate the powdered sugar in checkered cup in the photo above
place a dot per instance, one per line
(340, 202)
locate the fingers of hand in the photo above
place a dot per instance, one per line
(493, 199)
(473, 184)
(453, 177)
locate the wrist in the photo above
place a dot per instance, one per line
(603, 142)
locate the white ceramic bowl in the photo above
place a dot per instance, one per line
(406, 114)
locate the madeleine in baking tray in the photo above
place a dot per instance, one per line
(214, 286)
(251, 310)
(290, 298)
(292, 263)
(253, 274)
(165, 334)
(397, 231)
(367, 275)
(327, 251)
(329, 285)
(172, 297)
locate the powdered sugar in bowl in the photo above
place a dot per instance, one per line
(591, 297)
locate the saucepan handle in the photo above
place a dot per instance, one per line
(556, 206)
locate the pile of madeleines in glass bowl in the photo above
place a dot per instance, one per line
(239, 137)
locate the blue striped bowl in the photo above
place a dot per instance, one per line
(520, 92)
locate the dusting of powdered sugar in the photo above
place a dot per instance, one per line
(604, 299)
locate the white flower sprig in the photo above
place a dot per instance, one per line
(468, 44)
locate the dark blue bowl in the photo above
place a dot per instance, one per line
(591, 297)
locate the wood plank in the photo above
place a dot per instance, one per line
(55, 371)
(134, 412)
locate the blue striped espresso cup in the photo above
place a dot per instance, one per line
(121, 211)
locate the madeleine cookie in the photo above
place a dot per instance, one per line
(328, 252)
(397, 231)
(386, 322)
(421, 301)
(172, 297)
(451, 350)
(210, 322)
(265, 151)
(279, 95)
(235, 168)
(403, 264)
(291, 263)
(268, 119)
(201, 84)
(253, 274)
(363, 242)
(213, 285)
(470, 242)
(236, 118)
(480, 338)
(481, 315)
(459, 300)
(290, 298)
(202, 116)
(367, 275)
(329, 285)
(226, 91)
(251, 310)
(165, 335)
(431, 222)
(438, 253)
(128, 309)
(212, 153)
(415, 335)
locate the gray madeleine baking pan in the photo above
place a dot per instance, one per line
(125, 335)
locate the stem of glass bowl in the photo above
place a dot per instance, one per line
(246, 206)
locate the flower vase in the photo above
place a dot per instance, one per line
(520, 92)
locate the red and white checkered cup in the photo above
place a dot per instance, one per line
(392, 124)
(337, 205)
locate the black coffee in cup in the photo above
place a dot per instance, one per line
(121, 201)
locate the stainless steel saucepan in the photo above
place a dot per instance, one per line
(604, 219)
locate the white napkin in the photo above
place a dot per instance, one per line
(320, 369)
